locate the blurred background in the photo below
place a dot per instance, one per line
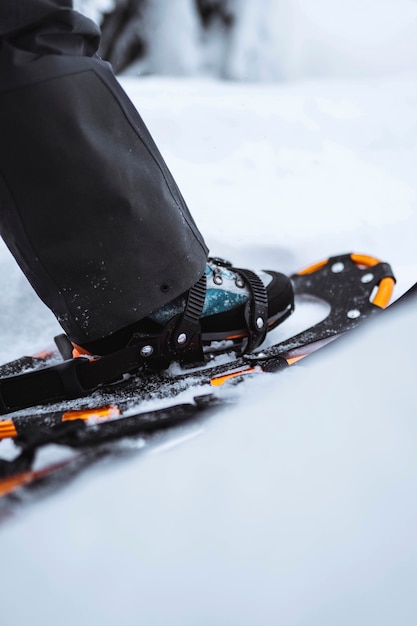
(257, 40)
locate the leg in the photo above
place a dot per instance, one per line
(88, 206)
(92, 214)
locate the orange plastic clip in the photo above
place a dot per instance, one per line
(7, 430)
(101, 413)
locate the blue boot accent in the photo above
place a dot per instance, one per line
(225, 290)
(219, 300)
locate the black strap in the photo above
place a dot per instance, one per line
(256, 311)
(179, 340)
(75, 378)
(48, 384)
(188, 324)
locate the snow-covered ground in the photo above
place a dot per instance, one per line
(296, 506)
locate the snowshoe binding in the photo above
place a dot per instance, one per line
(228, 306)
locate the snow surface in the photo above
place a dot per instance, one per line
(297, 505)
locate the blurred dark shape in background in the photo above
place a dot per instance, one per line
(126, 32)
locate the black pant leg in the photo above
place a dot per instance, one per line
(87, 205)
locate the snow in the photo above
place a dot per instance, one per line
(296, 506)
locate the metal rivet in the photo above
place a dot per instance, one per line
(353, 314)
(338, 267)
(260, 323)
(217, 280)
(182, 338)
(146, 351)
(239, 282)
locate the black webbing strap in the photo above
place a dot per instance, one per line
(189, 321)
(256, 311)
(74, 378)
(179, 340)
